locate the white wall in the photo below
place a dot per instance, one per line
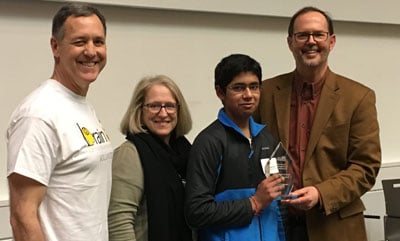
(5, 228)
(370, 11)
(187, 46)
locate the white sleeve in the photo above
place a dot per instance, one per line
(32, 149)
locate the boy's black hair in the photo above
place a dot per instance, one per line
(233, 65)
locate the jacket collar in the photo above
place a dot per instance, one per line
(281, 98)
(255, 128)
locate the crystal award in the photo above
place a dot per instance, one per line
(280, 162)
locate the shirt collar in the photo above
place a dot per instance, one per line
(308, 90)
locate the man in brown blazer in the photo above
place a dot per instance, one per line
(328, 123)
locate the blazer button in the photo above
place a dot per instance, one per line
(334, 209)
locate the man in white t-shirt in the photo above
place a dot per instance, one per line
(59, 155)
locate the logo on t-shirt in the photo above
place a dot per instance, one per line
(97, 137)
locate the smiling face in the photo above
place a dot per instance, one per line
(241, 97)
(81, 54)
(161, 123)
(311, 53)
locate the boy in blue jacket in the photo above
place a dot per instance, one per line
(228, 196)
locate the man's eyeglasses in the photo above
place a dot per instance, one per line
(240, 88)
(155, 108)
(317, 36)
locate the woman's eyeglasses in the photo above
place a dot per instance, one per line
(155, 108)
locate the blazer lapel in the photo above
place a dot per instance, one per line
(326, 105)
(282, 108)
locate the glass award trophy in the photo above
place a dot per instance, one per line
(280, 162)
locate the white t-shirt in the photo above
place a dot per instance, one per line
(55, 138)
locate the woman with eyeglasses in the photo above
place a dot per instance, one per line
(149, 168)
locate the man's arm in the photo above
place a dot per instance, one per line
(25, 198)
(362, 155)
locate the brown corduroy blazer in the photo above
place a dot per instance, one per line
(343, 155)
